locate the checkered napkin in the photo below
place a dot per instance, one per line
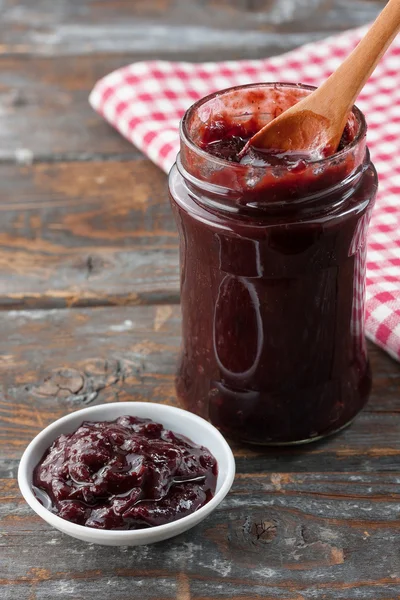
(146, 100)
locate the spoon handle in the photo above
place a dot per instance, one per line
(338, 93)
(318, 120)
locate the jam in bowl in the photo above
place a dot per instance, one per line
(129, 473)
(192, 471)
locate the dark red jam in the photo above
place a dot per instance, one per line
(129, 473)
(225, 139)
(272, 252)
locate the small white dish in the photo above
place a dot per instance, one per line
(178, 420)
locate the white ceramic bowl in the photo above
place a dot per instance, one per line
(176, 419)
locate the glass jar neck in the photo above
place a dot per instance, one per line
(257, 191)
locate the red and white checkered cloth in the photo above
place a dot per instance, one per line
(146, 100)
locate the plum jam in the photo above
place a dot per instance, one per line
(129, 473)
(272, 255)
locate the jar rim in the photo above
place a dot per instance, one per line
(187, 139)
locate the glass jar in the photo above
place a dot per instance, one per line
(272, 263)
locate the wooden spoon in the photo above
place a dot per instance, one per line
(316, 123)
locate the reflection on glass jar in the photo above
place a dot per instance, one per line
(238, 330)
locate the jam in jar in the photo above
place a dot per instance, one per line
(272, 255)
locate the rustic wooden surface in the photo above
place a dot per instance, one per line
(89, 313)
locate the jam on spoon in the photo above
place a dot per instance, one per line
(130, 473)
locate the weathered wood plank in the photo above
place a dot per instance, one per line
(60, 360)
(74, 234)
(276, 536)
(247, 27)
(45, 114)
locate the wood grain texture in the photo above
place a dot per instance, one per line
(82, 234)
(248, 28)
(61, 360)
(45, 114)
(276, 536)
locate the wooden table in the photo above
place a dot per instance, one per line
(89, 299)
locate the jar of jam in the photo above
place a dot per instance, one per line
(272, 255)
